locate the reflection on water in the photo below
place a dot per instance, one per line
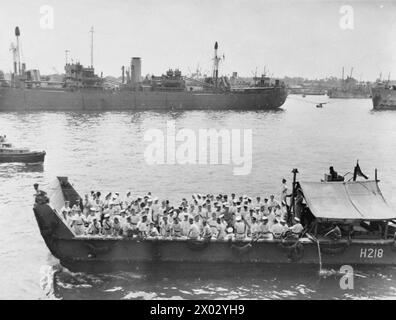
(8, 170)
(104, 151)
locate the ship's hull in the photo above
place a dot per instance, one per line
(90, 254)
(308, 92)
(341, 94)
(12, 99)
(28, 157)
(383, 99)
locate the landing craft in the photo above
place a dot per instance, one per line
(366, 235)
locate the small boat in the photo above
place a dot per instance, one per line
(8, 153)
(357, 204)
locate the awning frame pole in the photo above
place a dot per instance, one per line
(294, 171)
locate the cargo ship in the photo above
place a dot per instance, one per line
(358, 207)
(350, 88)
(81, 89)
(384, 97)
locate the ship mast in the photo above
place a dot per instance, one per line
(216, 61)
(92, 44)
(18, 52)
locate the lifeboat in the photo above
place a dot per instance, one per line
(10, 154)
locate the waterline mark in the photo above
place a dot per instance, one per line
(201, 147)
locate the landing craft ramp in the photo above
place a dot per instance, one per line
(357, 200)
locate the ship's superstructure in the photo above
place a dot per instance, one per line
(350, 88)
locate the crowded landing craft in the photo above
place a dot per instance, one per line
(331, 222)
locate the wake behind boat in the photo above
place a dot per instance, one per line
(11, 154)
(342, 222)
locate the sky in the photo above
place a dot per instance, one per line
(294, 37)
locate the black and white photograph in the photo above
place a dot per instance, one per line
(197, 150)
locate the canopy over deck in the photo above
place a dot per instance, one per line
(358, 200)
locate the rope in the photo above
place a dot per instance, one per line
(313, 239)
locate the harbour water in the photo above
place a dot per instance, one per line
(105, 151)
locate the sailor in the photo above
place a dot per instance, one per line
(87, 205)
(66, 209)
(94, 228)
(240, 229)
(265, 229)
(37, 191)
(177, 230)
(233, 198)
(255, 229)
(127, 200)
(221, 228)
(230, 236)
(106, 225)
(128, 228)
(204, 211)
(245, 210)
(266, 206)
(198, 222)
(284, 191)
(218, 211)
(185, 224)
(153, 231)
(273, 203)
(77, 224)
(212, 222)
(193, 232)
(284, 226)
(206, 231)
(258, 201)
(148, 213)
(117, 227)
(277, 229)
(297, 228)
(135, 218)
(155, 211)
(143, 227)
(165, 227)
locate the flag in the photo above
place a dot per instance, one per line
(358, 172)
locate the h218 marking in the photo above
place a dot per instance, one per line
(371, 253)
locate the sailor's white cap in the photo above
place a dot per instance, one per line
(230, 230)
(238, 218)
(264, 218)
(221, 216)
(107, 215)
(297, 219)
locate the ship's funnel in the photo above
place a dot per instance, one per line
(17, 32)
(216, 46)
